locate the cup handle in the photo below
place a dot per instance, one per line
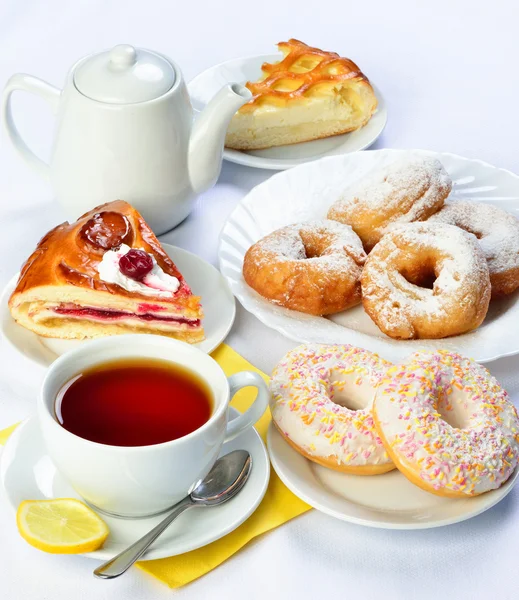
(258, 407)
(27, 83)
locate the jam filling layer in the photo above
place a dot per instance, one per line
(114, 315)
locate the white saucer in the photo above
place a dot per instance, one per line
(205, 281)
(240, 70)
(27, 473)
(386, 501)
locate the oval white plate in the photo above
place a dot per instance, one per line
(240, 70)
(27, 472)
(386, 501)
(305, 193)
(205, 281)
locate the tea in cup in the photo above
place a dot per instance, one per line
(135, 421)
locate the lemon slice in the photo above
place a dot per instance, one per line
(61, 526)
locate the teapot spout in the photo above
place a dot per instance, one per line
(208, 135)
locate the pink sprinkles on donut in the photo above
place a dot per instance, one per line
(307, 387)
(449, 420)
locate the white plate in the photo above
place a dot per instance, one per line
(388, 501)
(205, 281)
(28, 473)
(305, 193)
(240, 70)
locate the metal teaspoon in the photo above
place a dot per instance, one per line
(227, 477)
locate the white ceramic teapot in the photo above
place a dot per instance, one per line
(125, 131)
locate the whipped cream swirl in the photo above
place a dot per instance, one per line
(155, 283)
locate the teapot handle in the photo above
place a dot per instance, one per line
(27, 83)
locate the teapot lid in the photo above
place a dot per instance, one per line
(124, 75)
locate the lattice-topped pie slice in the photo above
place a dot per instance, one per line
(309, 94)
(105, 274)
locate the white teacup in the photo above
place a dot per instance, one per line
(143, 480)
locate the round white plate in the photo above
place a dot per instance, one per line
(240, 70)
(388, 501)
(28, 473)
(205, 281)
(306, 192)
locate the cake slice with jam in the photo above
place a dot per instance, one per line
(105, 274)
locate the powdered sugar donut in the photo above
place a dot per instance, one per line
(426, 280)
(311, 267)
(498, 235)
(407, 190)
(447, 424)
(321, 404)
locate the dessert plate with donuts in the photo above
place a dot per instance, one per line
(307, 103)
(427, 442)
(393, 251)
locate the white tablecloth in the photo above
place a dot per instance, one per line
(448, 71)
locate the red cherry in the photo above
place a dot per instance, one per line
(136, 264)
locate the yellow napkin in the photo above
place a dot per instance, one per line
(5, 433)
(278, 506)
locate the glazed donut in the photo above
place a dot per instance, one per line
(447, 424)
(321, 404)
(311, 267)
(498, 235)
(407, 190)
(426, 280)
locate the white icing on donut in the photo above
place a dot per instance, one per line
(447, 420)
(308, 387)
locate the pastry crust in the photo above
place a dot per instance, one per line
(59, 284)
(309, 94)
(312, 267)
(405, 191)
(426, 281)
